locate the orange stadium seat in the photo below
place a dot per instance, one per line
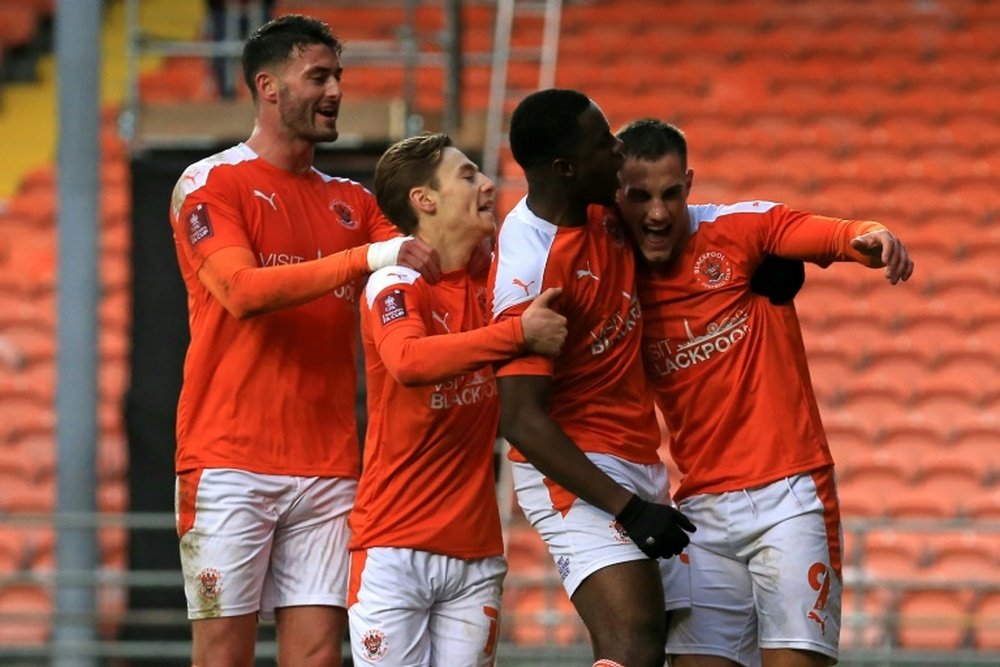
(980, 448)
(971, 132)
(35, 454)
(921, 502)
(903, 134)
(967, 288)
(955, 406)
(25, 613)
(893, 388)
(986, 622)
(11, 546)
(863, 618)
(30, 344)
(19, 494)
(898, 371)
(844, 423)
(878, 485)
(112, 497)
(527, 553)
(35, 384)
(981, 254)
(21, 416)
(955, 382)
(856, 503)
(873, 397)
(933, 619)
(965, 557)
(878, 465)
(893, 555)
(849, 454)
(540, 616)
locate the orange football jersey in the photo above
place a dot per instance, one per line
(599, 396)
(272, 393)
(427, 480)
(728, 367)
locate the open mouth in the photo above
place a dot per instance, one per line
(487, 207)
(656, 235)
(328, 113)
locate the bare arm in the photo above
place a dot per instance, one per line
(525, 422)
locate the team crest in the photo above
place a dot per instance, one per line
(199, 224)
(391, 306)
(374, 645)
(619, 532)
(614, 230)
(209, 583)
(713, 269)
(345, 213)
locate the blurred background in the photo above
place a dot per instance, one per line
(886, 110)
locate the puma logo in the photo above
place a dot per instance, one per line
(517, 281)
(269, 200)
(442, 320)
(586, 273)
(813, 616)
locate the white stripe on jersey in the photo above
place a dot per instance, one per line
(339, 179)
(700, 213)
(196, 175)
(387, 277)
(523, 251)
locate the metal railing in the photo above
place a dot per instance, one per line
(550, 625)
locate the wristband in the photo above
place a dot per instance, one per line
(385, 253)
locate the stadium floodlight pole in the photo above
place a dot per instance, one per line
(77, 42)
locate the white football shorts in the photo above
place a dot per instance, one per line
(583, 539)
(410, 607)
(765, 568)
(251, 542)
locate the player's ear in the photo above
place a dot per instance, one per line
(422, 199)
(266, 84)
(689, 180)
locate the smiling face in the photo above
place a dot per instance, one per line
(465, 196)
(653, 203)
(309, 93)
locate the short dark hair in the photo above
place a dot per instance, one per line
(272, 43)
(406, 164)
(650, 139)
(545, 126)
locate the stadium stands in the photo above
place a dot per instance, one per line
(882, 110)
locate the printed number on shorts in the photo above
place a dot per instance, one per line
(493, 614)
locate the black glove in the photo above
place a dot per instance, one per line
(656, 529)
(778, 279)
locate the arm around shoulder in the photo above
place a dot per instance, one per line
(245, 289)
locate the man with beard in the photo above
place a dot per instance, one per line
(272, 254)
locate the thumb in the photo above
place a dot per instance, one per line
(864, 242)
(684, 522)
(546, 298)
